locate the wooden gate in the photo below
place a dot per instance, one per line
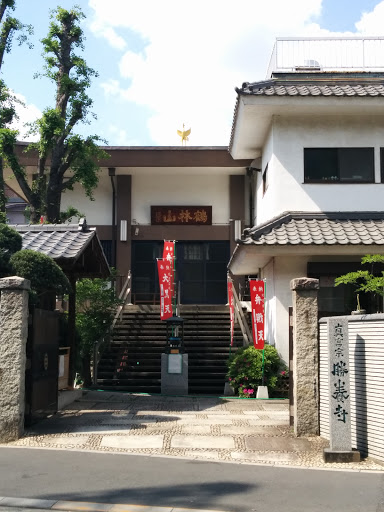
(41, 376)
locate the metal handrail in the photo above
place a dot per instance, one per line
(178, 299)
(242, 321)
(124, 294)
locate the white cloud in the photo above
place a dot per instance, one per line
(26, 114)
(197, 53)
(116, 41)
(121, 137)
(371, 24)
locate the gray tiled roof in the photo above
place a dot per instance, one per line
(299, 228)
(317, 84)
(301, 89)
(57, 241)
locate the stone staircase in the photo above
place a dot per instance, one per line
(133, 360)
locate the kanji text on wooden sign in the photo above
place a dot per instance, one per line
(181, 215)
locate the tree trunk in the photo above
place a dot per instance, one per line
(53, 204)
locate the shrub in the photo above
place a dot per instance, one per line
(10, 242)
(245, 369)
(41, 270)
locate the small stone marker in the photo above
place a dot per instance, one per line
(339, 394)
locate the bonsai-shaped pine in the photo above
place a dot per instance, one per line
(245, 369)
(367, 281)
(96, 304)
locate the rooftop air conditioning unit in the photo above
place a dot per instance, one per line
(309, 65)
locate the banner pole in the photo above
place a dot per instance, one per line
(262, 369)
(174, 278)
(262, 364)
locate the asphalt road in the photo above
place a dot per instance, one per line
(160, 481)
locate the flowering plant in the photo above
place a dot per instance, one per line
(246, 392)
(245, 370)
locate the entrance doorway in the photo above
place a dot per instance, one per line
(201, 269)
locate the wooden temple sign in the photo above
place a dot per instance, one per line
(181, 215)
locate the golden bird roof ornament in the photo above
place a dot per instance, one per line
(184, 135)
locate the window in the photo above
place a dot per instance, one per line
(340, 165)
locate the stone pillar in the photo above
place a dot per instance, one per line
(305, 356)
(13, 339)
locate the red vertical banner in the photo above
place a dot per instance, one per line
(256, 287)
(163, 269)
(231, 308)
(168, 257)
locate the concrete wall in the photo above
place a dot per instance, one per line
(287, 191)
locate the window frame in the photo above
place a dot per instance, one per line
(338, 180)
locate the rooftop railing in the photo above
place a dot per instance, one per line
(327, 54)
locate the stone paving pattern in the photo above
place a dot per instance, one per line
(203, 428)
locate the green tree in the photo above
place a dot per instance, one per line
(8, 27)
(96, 304)
(366, 281)
(59, 148)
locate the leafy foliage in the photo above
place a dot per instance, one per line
(96, 303)
(8, 27)
(10, 242)
(367, 281)
(245, 369)
(59, 148)
(44, 273)
(70, 212)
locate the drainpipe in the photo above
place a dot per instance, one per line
(112, 173)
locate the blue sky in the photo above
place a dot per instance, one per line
(165, 63)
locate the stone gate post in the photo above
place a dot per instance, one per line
(305, 356)
(13, 339)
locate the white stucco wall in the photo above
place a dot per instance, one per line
(98, 211)
(286, 269)
(287, 191)
(266, 159)
(193, 190)
(278, 274)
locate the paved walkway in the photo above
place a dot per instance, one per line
(202, 428)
